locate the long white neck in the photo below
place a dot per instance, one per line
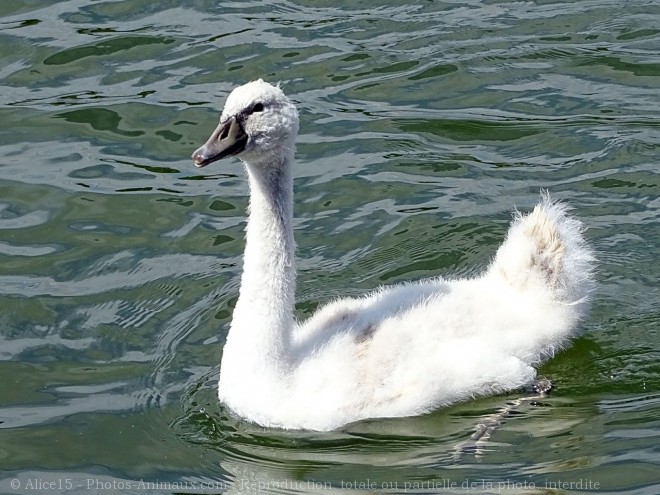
(259, 339)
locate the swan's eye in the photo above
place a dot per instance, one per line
(258, 107)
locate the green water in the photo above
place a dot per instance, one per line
(422, 125)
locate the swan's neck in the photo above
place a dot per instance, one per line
(260, 335)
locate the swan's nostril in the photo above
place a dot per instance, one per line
(227, 139)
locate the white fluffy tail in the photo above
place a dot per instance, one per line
(546, 248)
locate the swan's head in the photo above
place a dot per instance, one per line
(257, 123)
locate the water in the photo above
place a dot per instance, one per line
(422, 125)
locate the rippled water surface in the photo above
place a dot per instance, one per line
(422, 125)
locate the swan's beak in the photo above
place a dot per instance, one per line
(229, 138)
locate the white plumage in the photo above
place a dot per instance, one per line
(401, 350)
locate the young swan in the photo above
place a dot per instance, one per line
(398, 351)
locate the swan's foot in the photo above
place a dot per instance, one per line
(540, 386)
(483, 431)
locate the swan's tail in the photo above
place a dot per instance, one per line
(546, 248)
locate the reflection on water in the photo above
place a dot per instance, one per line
(422, 126)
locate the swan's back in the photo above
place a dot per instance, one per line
(408, 349)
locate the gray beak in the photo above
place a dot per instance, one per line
(229, 138)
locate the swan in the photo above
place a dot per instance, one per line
(398, 351)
